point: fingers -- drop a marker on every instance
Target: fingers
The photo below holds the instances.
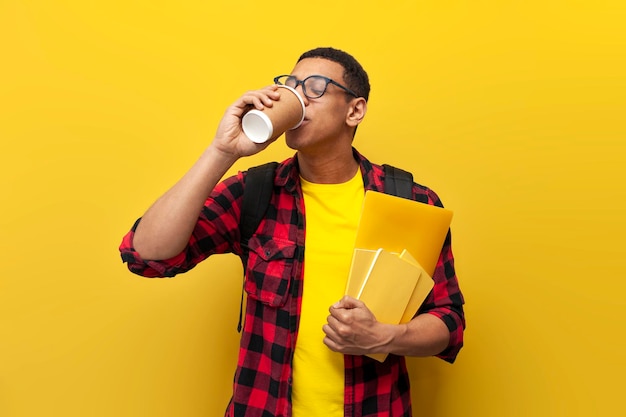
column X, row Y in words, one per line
column 258, row 99
column 350, row 327
column 332, row 345
column 343, row 338
column 337, row 327
column 340, row 327
column 345, row 313
column 347, row 302
column 333, row 339
column 229, row 137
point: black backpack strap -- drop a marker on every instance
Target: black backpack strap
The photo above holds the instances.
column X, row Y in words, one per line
column 398, row 182
column 257, row 192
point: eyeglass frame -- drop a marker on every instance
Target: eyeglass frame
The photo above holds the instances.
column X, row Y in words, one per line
column 328, row 81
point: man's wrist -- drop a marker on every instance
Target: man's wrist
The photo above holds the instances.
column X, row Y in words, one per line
column 391, row 334
column 219, row 157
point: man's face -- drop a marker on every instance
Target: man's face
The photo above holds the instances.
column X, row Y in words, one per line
column 325, row 121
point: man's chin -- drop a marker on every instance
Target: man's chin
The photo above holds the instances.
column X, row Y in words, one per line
column 292, row 139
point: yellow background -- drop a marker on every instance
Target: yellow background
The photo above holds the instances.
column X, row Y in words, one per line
column 512, row 111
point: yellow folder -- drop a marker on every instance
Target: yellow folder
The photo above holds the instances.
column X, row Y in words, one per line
column 395, row 223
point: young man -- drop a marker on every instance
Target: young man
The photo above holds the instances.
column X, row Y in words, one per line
column 303, row 344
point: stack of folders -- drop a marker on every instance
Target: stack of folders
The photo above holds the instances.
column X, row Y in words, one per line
column 396, row 251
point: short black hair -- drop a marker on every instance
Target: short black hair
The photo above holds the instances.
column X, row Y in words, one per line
column 353, row 73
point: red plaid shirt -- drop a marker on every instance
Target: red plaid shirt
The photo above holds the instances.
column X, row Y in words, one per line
column 274, row 260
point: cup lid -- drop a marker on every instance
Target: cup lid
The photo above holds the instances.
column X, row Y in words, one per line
column 257, row 126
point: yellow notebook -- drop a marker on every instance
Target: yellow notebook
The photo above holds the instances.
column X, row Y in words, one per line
column 424, row 285
column 362, row 260
column 395, row 224
column 387, row 288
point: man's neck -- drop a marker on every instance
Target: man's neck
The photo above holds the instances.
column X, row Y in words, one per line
column 335, row 168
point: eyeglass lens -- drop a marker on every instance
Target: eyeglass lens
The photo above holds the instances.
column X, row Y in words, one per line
column 313, row 86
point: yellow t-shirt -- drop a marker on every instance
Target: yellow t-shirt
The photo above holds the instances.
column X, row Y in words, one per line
column 332, row 216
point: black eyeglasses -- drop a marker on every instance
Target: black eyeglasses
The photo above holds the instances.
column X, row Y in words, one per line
column 313, row 86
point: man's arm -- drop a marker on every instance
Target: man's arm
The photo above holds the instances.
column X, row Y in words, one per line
column 165, row 228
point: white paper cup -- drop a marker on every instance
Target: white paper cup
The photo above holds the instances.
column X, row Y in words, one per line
column 286, row 113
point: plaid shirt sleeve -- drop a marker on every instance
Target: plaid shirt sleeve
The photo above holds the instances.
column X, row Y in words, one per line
column 217, row 231
column 445, row 300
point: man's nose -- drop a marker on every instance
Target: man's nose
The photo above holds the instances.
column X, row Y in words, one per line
column 300, row 90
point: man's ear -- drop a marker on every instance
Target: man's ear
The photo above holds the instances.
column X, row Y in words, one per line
column 357, row 111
